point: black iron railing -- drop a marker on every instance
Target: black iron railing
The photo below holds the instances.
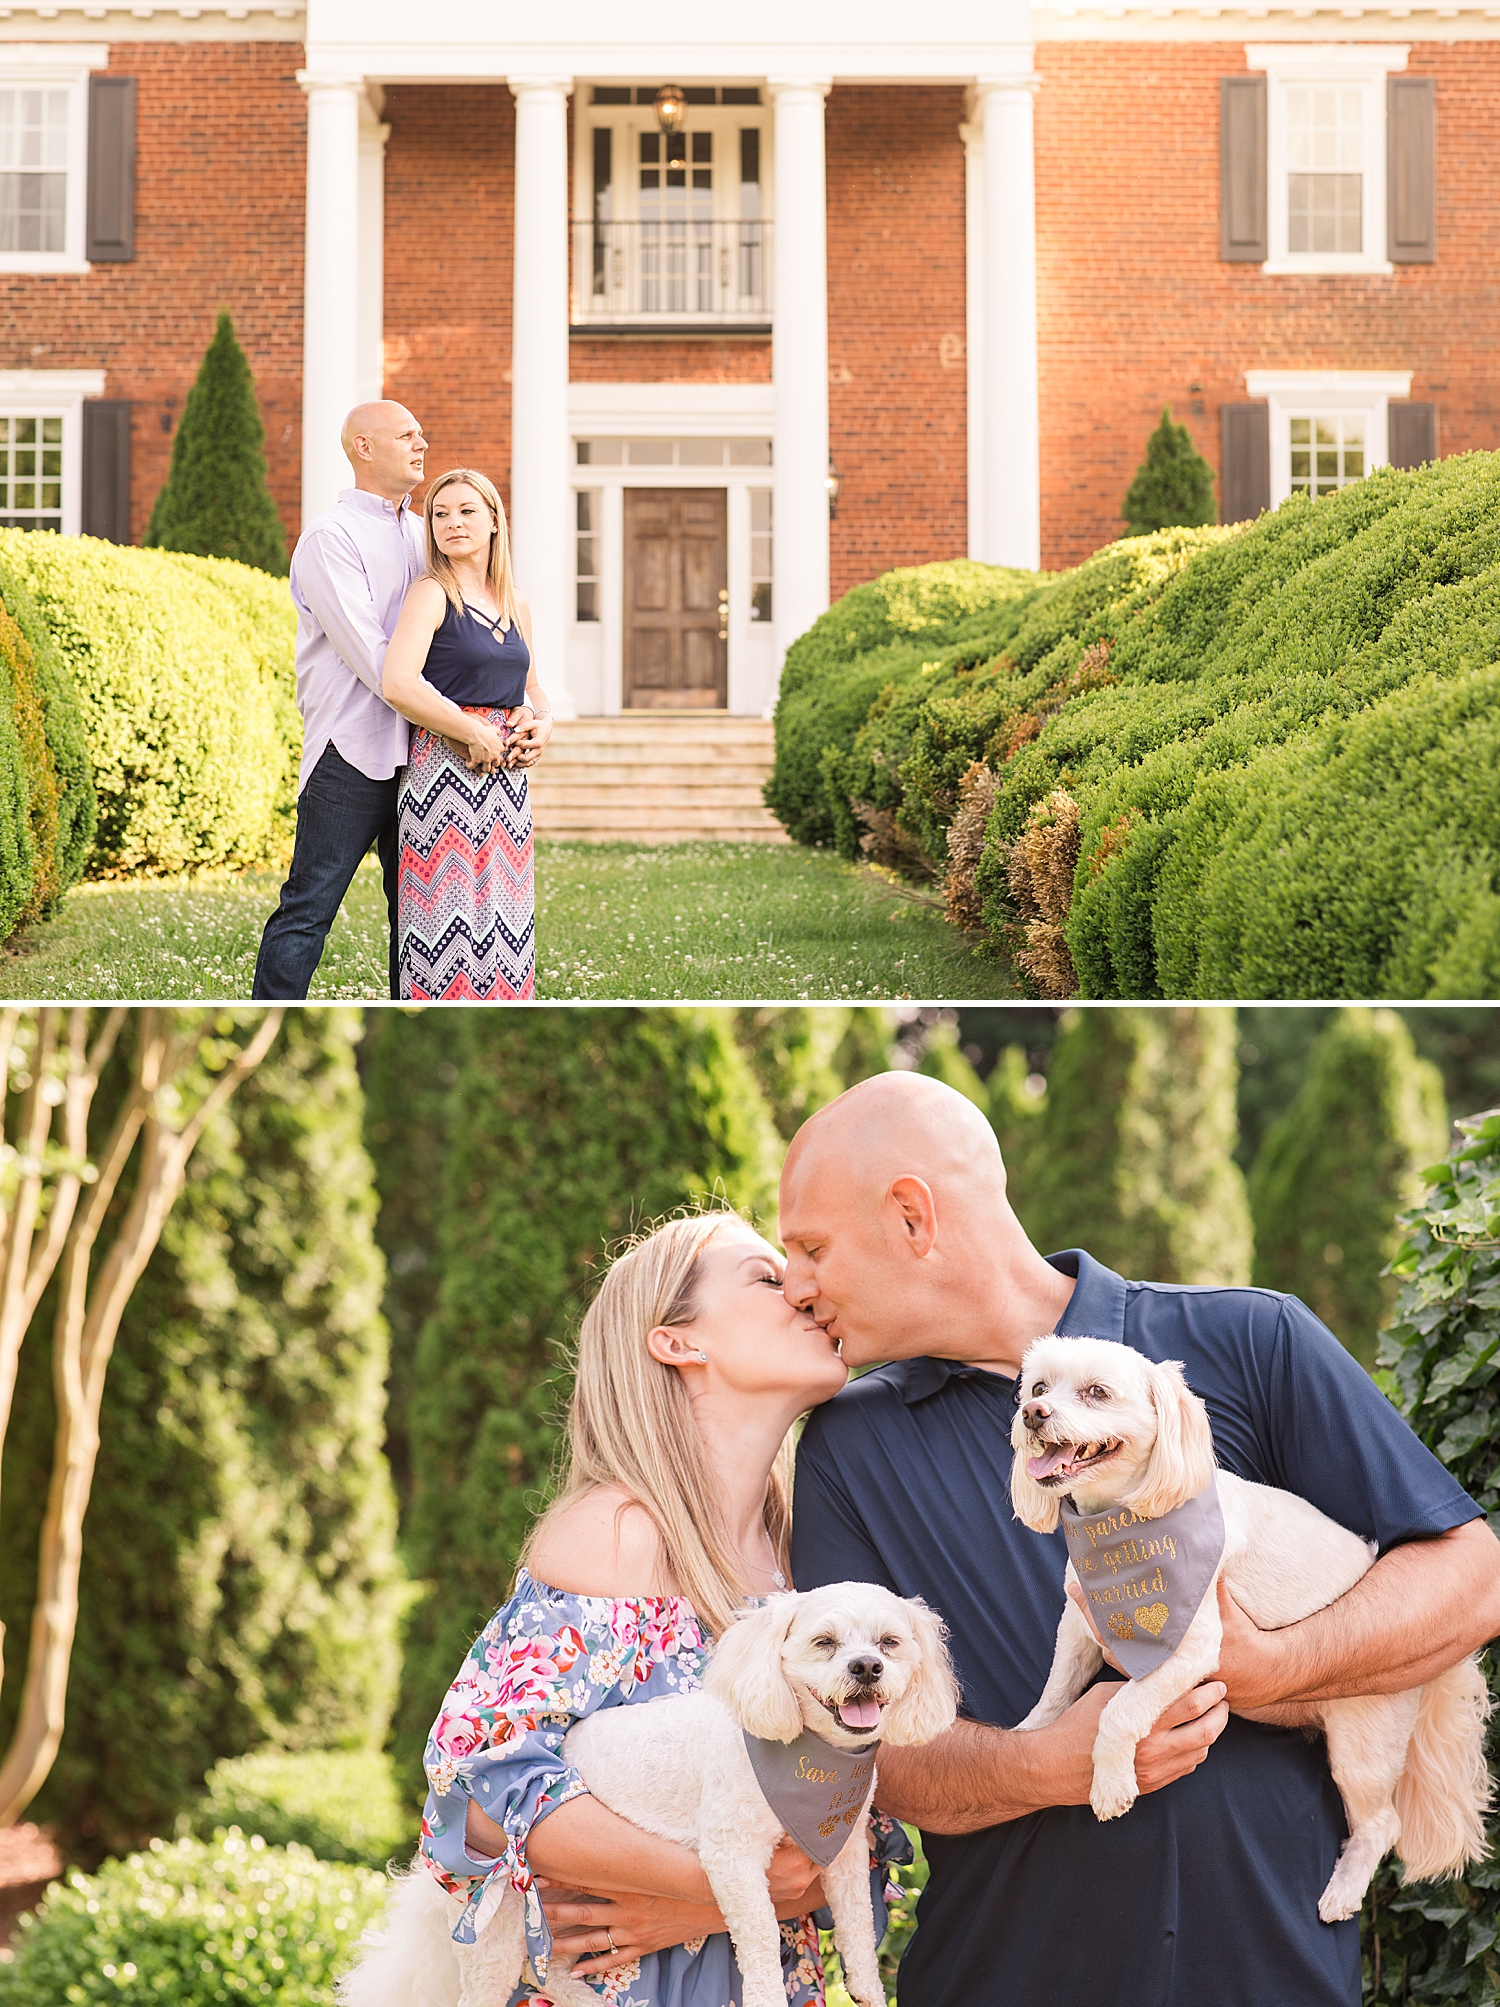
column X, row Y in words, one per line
column 681, row 269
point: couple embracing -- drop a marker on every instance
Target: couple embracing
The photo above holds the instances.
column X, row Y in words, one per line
column 421, row 712
column 702, row 1349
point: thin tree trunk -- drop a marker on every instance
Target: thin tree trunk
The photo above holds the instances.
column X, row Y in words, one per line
column 87, row 1321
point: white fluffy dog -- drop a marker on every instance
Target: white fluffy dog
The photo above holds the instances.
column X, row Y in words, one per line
column 851, row 1663
column 1104, row 1425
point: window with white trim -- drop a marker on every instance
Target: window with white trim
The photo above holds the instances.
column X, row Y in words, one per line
column 44, row 155
column 31, row 470
column 760, row 553
column 1328, row 427
column 1326, row 154
column 586, row 555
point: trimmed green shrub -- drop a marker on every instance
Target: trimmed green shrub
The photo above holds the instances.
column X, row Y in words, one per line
column 1173, row 484
column 190, row 1924
column 1131, row 1153
column 239, row 1577
column 1337, row 1167
column 1438, row 1941
column 47, row 803
column 186, row 691
column 565, row 1130
column 216, row 502
column 342, row 1804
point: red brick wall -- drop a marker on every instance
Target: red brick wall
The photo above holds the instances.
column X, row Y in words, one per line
column 449, row 213
column 220, row 195
column 896, row 327
column 1136, row 308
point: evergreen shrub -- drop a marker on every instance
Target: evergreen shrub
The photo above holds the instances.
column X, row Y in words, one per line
column 239, row 1588
column 189, row 1924
column 1438, row 1362
column 342, row 1804
column 186, row 692
column 47, row 803
column 1333, row 1172
column 1173, row 484
column 216, row 502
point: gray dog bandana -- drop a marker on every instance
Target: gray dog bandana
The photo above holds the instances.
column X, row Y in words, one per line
column 818, row 1792
column 1144, row 1579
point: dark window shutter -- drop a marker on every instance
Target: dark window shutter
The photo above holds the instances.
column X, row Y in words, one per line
column 1413, row 433
column 111, row 226
column 106, row 469
column 1411, row 170
column 1244, row 461
column 1242, row 170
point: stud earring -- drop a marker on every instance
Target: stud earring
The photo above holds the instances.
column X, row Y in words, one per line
column 702, row 1358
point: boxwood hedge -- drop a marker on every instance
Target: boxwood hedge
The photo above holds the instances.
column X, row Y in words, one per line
column 185, row 684
column 1274, row 735
column 341, row 1803
column 47, row 804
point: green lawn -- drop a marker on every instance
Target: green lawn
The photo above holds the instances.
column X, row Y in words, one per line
column 730, row 920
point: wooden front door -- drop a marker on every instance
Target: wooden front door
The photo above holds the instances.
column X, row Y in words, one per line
column 676, row 599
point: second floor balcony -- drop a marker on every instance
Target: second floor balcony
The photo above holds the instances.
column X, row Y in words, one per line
column 681, row 272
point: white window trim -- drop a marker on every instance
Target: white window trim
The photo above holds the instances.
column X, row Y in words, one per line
column 1303, row 393
column 23, row 63
column 1365, row 64
column 56, row 393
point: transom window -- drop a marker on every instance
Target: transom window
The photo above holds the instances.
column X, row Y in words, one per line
column 33, row 168
column 31, row 472
column 1328, row 452
column 1325, row 167
column 674, row 453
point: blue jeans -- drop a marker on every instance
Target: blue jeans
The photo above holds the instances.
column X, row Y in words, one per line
column 340, row 814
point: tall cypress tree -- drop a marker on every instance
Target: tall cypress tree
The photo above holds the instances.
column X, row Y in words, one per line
column 1173, row 485
column 802, row 1056
column 1132, row 1154
column 216, row 502
column 565, row 1130
column 1337, row 1167
column 239, row 1585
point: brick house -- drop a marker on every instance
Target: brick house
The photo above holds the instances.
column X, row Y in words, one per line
column 758, row 302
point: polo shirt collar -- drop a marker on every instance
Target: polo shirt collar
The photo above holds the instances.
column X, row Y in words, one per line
column 1096, row 1309
column 373, row 505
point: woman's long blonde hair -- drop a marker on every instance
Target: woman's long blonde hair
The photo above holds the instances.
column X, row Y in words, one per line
column 630, row 1423
column 498, row 573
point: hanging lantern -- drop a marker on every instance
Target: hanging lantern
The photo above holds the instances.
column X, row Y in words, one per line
column 671, row 107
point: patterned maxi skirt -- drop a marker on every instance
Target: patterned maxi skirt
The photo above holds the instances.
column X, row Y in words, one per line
column 467, row 902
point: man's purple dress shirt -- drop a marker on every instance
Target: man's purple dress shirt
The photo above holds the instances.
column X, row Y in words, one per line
column 350, row 572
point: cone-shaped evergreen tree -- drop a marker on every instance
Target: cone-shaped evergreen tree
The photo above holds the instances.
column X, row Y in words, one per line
column 1132, row 1154
column 565, row 1130
column 216, row 502
column 943, row 1059
column 1337, row 1167
column 1173, row 485
column 240, row 1587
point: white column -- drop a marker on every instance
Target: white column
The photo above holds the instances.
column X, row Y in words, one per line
column 539, row 479
column 973, row 139
column 330, row 312
column 372, row 138
column 1012, row 452
column 799, row 359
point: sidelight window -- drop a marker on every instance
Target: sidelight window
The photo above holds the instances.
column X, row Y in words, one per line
column 586, row 555
column 760, row 553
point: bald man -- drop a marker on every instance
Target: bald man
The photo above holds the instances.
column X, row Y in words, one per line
column 350, row 572
column 901, row 1239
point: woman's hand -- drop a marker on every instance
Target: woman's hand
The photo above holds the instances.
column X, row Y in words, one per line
column 487, row 747
column 530, row 731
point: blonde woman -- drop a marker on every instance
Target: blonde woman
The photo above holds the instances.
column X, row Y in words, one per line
column 460, row 667
column 692, row 1368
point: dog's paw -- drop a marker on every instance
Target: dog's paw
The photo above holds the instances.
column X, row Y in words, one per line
column 1111, row 1797
column 1336, row 1904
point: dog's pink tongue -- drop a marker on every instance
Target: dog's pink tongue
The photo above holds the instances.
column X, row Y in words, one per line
column 859, row 1713
column 1043, row 1466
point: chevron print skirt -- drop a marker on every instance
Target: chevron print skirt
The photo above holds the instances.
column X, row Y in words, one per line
column 467, row 898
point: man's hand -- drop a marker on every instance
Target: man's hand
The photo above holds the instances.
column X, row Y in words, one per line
column 974, row 1776
column 530, row 731
column 582, row 1924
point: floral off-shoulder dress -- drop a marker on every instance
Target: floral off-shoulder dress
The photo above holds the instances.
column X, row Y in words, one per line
column 542, row 1662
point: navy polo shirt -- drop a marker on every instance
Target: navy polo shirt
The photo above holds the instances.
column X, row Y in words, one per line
column 1207, row 1890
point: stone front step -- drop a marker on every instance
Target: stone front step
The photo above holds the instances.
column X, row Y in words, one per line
column 656, row 777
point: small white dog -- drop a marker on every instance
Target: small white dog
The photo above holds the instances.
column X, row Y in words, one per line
column 1124, row 1437
column 851, row 1664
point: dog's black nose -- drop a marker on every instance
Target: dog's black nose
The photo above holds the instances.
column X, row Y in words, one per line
column 1035, row 1411
column 866, row 1671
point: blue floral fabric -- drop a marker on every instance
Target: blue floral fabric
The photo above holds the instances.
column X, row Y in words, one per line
column 543, row 1662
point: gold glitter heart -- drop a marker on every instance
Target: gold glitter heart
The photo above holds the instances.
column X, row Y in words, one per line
column 1153, row 1618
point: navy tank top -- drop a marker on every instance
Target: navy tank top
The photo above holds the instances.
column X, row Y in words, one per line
column 472, row 661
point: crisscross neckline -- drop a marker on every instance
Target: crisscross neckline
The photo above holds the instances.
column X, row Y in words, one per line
column 497, row 624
